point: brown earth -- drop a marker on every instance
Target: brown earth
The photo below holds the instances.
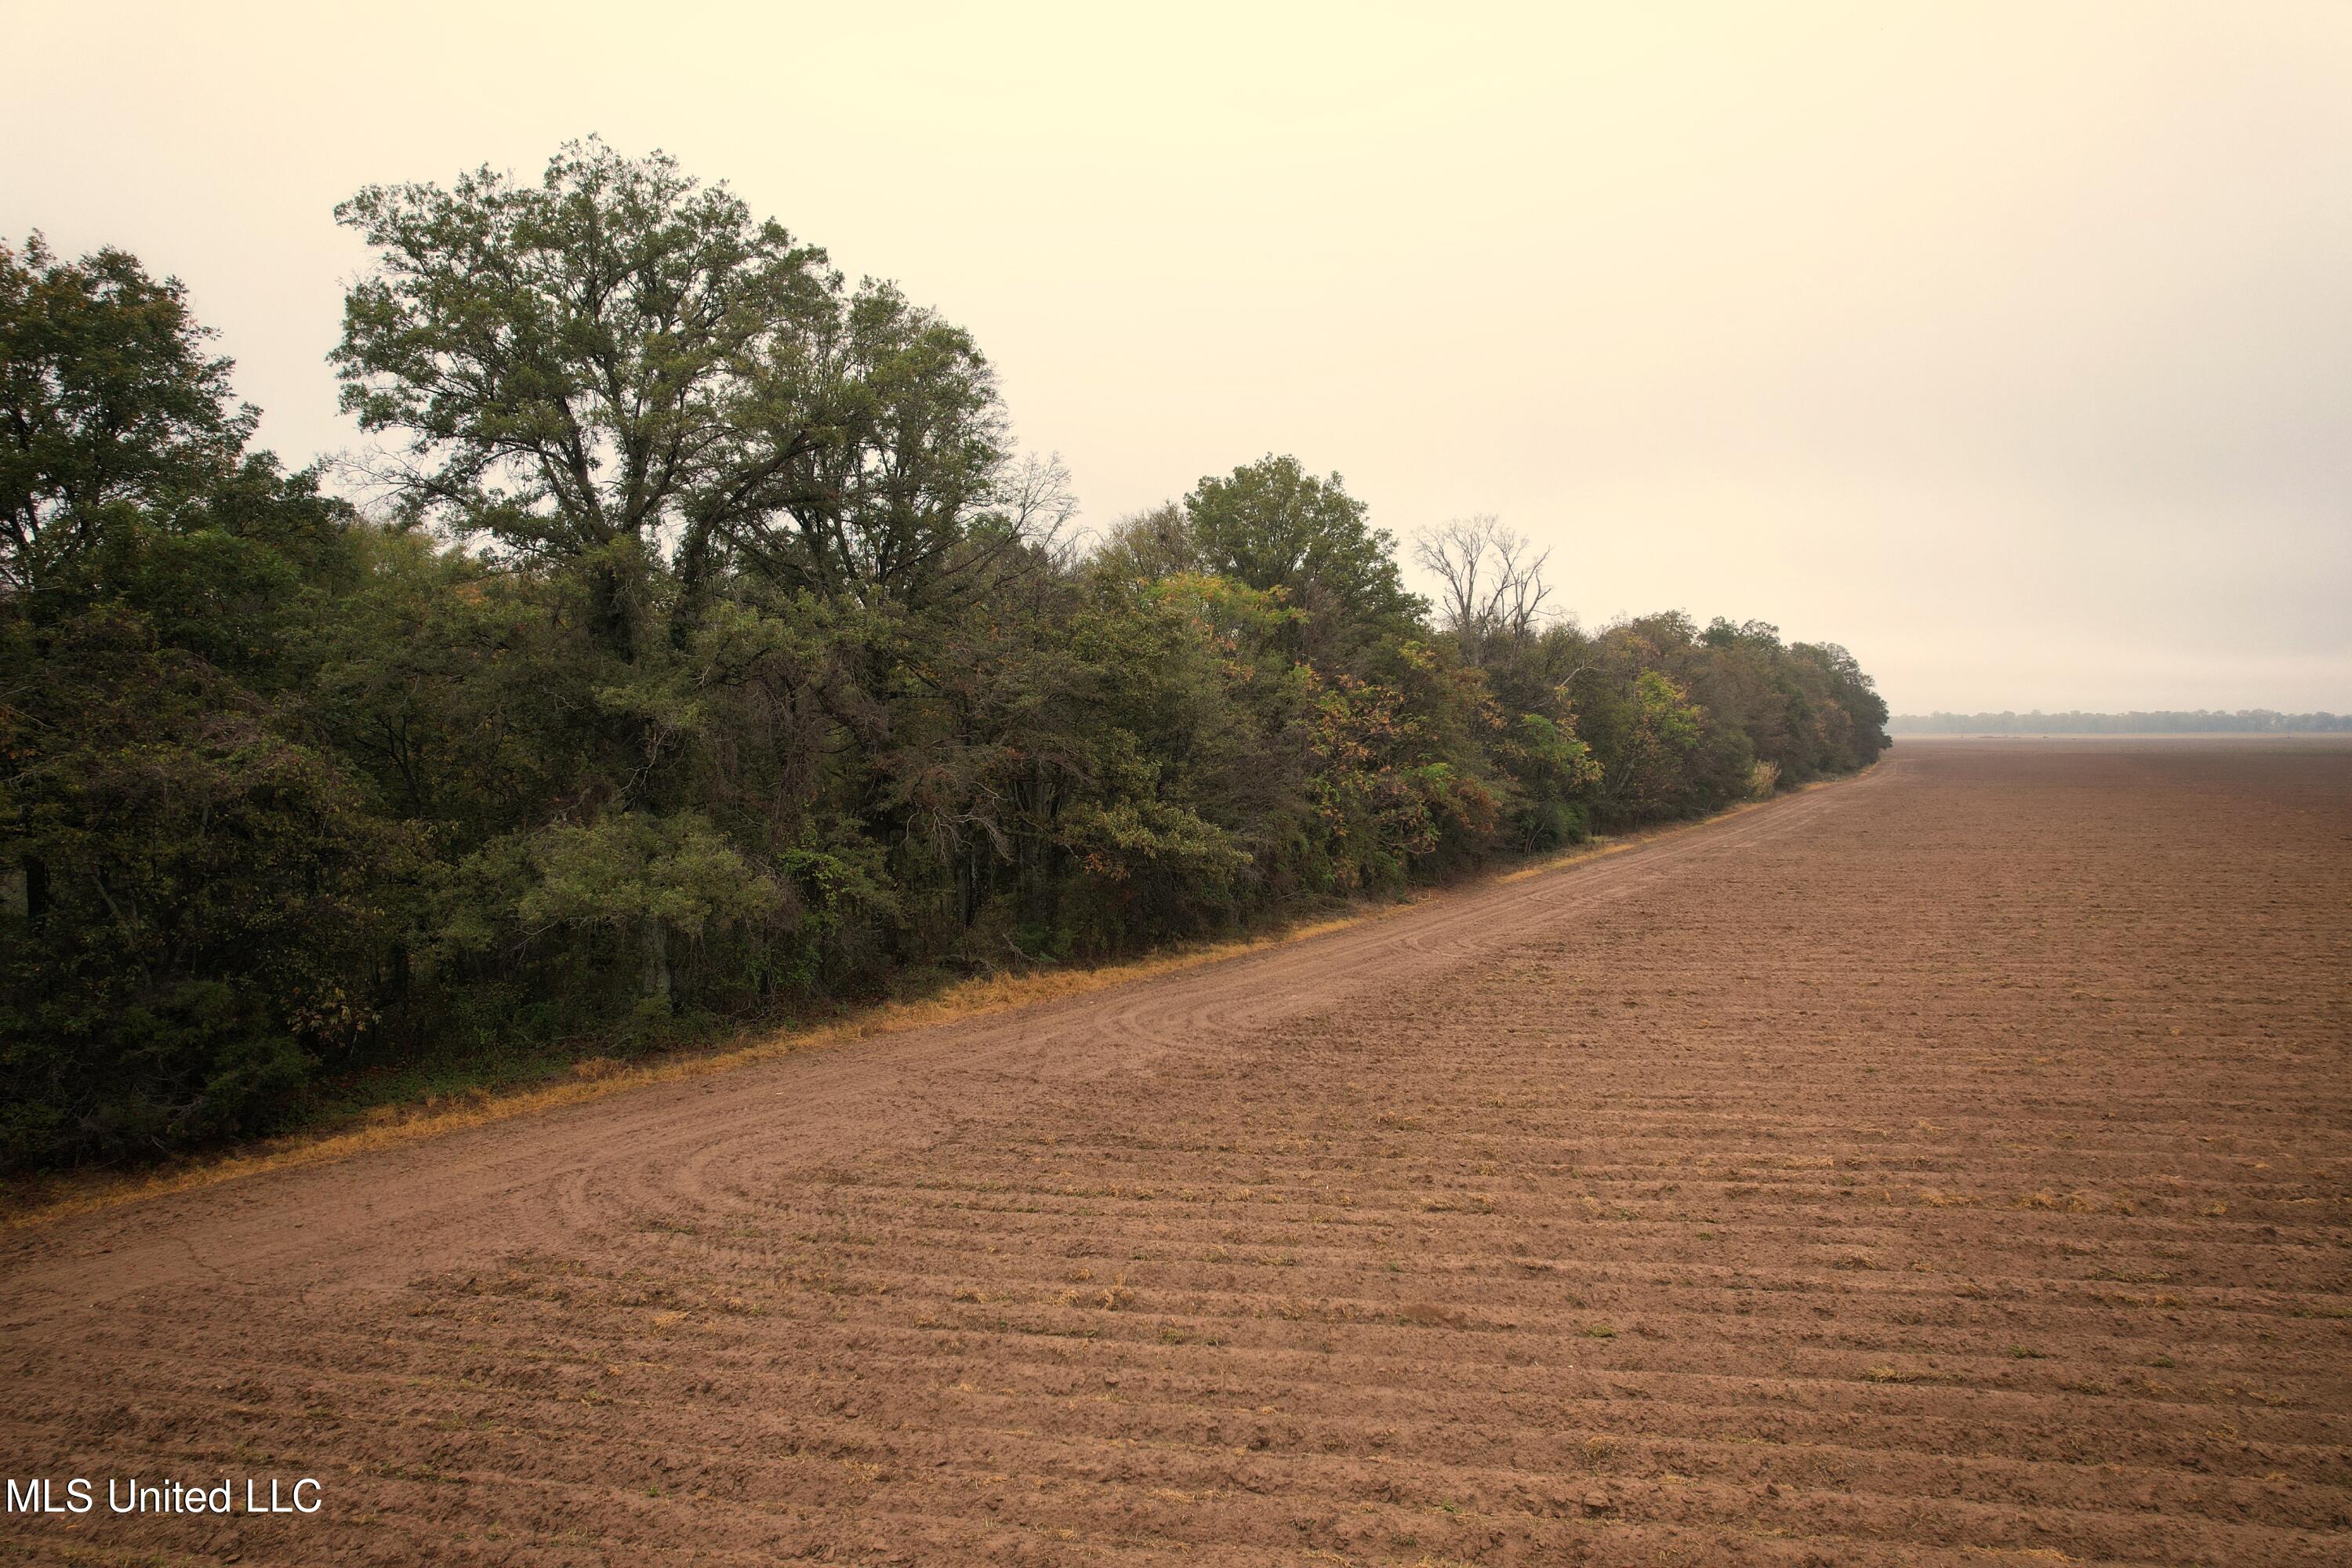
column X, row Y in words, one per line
column 1954, row 1166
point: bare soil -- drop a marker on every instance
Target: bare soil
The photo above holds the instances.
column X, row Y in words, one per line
column 1950, row 1166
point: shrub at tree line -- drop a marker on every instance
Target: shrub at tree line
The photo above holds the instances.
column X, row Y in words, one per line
column 714, row 653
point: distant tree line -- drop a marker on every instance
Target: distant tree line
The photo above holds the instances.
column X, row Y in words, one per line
column 714, row 654
column 2244, row 721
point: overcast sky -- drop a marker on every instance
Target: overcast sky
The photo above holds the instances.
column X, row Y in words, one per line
column 2009, row 344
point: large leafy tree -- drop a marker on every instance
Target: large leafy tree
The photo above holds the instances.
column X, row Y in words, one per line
column 110, row 402
column 616, row 375
column 619, row 365
column 1272, row 525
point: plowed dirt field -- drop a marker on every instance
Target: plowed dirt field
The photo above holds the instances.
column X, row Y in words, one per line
column 1952, row 1165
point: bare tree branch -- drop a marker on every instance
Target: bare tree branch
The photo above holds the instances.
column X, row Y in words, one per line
column 1490, row 581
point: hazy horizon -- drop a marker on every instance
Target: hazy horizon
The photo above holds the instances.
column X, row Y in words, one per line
column 2010, row 346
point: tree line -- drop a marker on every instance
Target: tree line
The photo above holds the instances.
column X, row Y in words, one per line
column 706, row 651
column 2244, row 721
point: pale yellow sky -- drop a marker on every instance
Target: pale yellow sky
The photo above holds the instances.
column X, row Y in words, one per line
column 2008, row 343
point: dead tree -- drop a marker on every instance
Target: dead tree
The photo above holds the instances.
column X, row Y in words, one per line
column 1490, row 581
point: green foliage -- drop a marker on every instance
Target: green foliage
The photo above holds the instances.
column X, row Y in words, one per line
column 717, row 656
column 1553, row 773
column 110, row 411
column 200, row 900
column 1272, row 525
column 625, row 871
column 618, row 356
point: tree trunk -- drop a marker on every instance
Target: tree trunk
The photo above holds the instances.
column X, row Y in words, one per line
column 655, row 956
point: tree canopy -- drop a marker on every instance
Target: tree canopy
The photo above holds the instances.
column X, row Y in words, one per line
column 1272, row 525
column 108, row 404
column 712, row 654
